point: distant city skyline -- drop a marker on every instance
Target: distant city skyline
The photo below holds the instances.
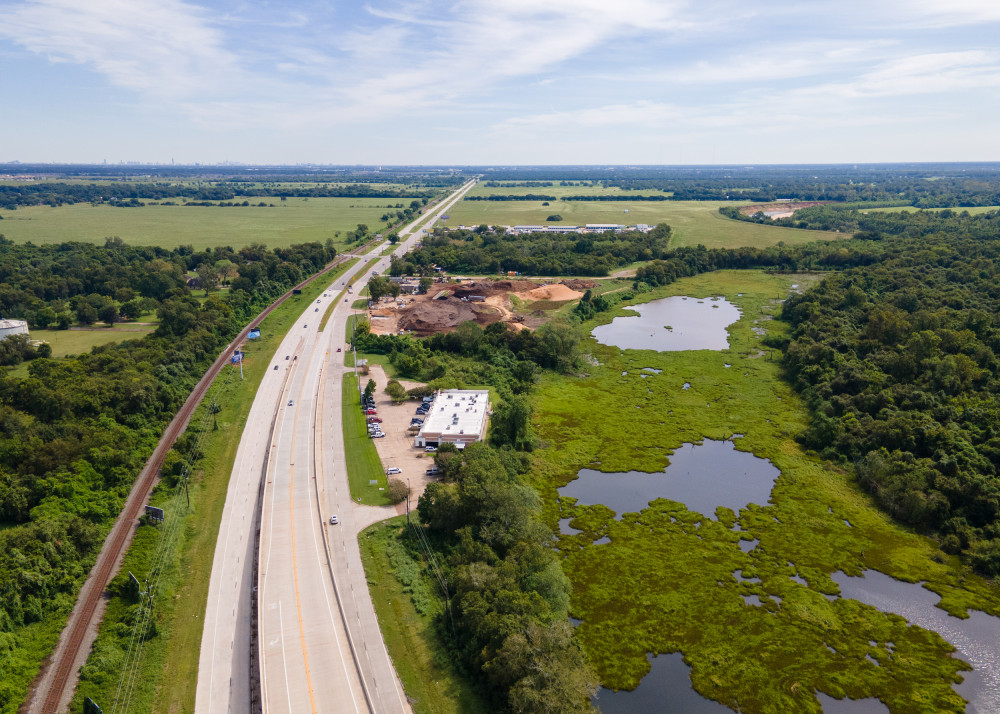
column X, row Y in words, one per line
column 665, row 82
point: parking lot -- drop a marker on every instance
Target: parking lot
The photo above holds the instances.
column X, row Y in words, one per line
column 396, row 449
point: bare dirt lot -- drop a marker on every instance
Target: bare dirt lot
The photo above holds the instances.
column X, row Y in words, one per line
column 521, row 303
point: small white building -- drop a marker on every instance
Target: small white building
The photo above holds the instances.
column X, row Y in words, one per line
column 12, row 327
column 458, row 416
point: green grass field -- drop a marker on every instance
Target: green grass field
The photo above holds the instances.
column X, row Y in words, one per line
column 665, row 579
column 168, row 672
column 693, row 222
column 363, row 462
column 75, row 342
column 297, row 220
column 481, row 189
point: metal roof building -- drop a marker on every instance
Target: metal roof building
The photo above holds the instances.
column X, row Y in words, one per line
column 12, row 327
column 458, row 416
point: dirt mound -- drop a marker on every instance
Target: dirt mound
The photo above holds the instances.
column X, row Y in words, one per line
column 425, row 318
column 557, row 292
column 578, row 284
column 487, row 288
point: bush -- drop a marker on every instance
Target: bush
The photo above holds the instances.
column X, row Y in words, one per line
column 397, row 491
column 554, row 217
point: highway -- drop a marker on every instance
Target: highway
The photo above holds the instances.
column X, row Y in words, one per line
column 320, row 648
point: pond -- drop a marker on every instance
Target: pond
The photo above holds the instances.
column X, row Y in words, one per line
column 977, row 639
column 672, row 324
column 701, row 476
column 667, row 688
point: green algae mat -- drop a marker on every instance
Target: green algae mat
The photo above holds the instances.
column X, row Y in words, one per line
column 665, row 579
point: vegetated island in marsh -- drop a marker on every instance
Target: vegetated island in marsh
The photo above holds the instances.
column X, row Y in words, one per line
column 668, row 579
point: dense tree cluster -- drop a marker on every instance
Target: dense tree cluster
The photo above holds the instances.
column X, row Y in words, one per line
column 482, row 251
column 508, row 593
column 899, row 364
column 55, row 286
column 75, row 432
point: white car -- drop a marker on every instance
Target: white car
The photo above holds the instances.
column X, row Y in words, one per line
column 333, row 520
column 393, row 470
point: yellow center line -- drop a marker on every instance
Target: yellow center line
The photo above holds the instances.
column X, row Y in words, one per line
column 295, row 566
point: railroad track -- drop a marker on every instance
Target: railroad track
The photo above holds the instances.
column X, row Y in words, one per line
column 58, row 677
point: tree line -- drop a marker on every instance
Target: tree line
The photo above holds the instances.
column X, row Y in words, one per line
column 58, row 193
column 486, row 251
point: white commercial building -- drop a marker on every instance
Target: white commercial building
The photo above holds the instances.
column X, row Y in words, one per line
column 12, row 327
column 457, row 416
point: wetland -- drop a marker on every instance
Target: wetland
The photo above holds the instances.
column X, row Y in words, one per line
column 737, row 601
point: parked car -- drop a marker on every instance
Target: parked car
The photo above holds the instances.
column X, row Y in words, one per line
column 393, row 470
column 334, row 521
column 372, row 420
column 370, row 411
column 415, row 420
column 430, row 449
column 428, row 400
column 432, row 471
column 378, row 436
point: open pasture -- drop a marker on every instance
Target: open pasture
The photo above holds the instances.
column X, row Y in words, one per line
column 295, row 220
column 693, row 222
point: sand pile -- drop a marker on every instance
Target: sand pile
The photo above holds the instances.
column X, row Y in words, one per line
column 557, row 292
column 425, row 318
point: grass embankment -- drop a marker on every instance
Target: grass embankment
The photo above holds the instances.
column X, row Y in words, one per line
column 363, row 463
column 167, row 673
column 296, row 220
column 408, row 609
column 665, row 581
column 693, row 222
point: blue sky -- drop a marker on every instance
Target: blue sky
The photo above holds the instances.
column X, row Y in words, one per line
column 500, row 81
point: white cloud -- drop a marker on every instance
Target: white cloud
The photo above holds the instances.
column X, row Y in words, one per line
column 166, row 47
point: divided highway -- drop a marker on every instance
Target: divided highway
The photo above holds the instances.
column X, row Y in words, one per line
column 320, row 649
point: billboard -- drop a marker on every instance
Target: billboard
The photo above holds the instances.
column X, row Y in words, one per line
column 254, row 333
column 154, row 513
column 237, row 357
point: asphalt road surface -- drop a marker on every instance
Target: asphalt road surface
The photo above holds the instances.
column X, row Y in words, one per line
column 320, row 646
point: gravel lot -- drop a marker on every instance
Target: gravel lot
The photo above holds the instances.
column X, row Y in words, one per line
column 397, row 448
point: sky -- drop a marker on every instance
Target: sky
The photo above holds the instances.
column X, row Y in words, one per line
column 476, row 82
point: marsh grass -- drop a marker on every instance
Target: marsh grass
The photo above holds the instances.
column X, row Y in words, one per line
column 664, row 582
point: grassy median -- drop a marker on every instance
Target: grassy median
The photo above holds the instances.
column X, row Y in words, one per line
column 363, row 463
column 167, row 673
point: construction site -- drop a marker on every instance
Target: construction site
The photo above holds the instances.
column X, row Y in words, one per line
column 520, row 303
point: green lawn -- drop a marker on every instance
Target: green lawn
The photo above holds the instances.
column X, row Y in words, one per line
column 693, row 222
column 74, row 342
column 363, row 463
column 296, row 220
column 169, row 668
column 408, row 607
